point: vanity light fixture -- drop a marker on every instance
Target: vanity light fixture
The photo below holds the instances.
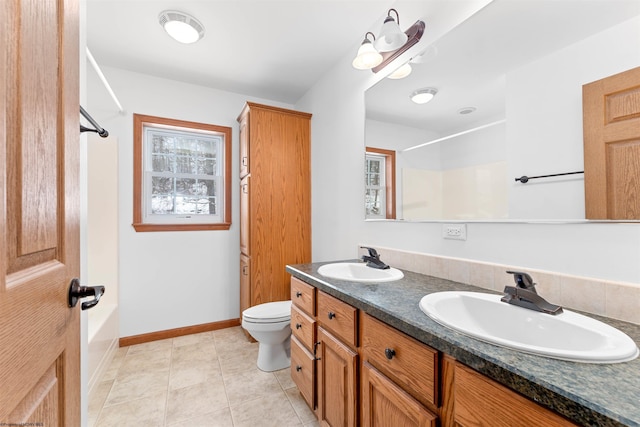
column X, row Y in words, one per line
column 401, row 72
column 367, row 57
column 424, row 95
column 382, row 53
column 391, row 36
column 181, row 27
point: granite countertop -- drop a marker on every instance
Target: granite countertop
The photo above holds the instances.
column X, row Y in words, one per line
column 589, row 394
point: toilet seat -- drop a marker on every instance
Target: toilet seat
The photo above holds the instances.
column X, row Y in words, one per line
column 270, row 312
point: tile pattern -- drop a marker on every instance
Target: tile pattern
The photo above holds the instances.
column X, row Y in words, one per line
column 207, row 379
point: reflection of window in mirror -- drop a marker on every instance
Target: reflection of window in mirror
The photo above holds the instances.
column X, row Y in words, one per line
column 380, row 187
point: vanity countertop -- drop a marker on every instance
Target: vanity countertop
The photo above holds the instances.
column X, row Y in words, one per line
column 589, row 394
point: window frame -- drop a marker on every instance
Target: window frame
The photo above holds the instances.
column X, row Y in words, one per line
column 390, row 179
column 140, row 121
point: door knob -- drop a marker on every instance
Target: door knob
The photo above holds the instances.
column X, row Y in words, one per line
column 76, row 292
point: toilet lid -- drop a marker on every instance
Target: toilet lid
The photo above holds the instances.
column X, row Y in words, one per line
column 269, row 312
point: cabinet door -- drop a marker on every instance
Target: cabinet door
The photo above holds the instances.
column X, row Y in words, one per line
column 245, row 283
column 245, row 219
column 386, row 404
column 482, row 401
column 244, row 145
column 337, row 370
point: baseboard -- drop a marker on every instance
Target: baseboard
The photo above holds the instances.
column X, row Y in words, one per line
column 178, row 332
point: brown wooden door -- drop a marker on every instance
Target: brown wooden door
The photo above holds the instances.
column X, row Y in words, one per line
column 39, row 212
column 611, row 109
column 337, row 386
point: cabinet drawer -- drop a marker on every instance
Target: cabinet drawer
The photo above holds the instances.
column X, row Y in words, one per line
column 303, row 371
column 482, row 401
column 303, row 327
column 339, row 317
column 403, row 359
column 303, row 296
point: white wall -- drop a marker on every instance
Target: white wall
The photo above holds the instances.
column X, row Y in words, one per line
column 544, row 120
column 464, row 177
column 170, row 279
column 174, row 279
column 598, row 250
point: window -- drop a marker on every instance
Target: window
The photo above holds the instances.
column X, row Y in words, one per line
column 182, row 175
column 379, row 174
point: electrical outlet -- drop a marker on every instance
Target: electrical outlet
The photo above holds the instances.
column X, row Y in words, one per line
column 454, row 231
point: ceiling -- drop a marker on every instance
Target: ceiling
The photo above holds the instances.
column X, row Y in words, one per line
column 468, row 64
column 274, row 50
column 278, row 50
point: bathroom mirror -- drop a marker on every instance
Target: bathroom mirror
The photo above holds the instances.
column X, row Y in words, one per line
column 508, row 104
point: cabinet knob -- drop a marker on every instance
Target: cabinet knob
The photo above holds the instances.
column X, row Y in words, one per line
column 298, row 294
column 331, row 315
column 298, row 325
column 389, row 352
column 298, row 368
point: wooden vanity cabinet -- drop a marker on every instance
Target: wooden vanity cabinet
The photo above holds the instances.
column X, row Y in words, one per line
column 275, row 199
column 338, row 360
column 337, row 381
column 303, row 340
column 399, row 377
column 355, row 370
column 385, row 403
column 479, row 400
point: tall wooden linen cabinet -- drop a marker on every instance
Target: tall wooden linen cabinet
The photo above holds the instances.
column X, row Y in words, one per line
column 275, row 200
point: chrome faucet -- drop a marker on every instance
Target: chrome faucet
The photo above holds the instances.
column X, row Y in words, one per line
column 524, row 295
column 373, row 259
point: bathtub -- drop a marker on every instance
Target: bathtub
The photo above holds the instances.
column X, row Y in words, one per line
column 102, row 337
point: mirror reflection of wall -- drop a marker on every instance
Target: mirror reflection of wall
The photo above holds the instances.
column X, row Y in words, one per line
column 514, row 61
column 464, row 179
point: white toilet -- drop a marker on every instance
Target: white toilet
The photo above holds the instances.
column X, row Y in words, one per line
column 270, row 325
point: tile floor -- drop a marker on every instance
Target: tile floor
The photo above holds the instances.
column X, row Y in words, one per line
column 199, row 380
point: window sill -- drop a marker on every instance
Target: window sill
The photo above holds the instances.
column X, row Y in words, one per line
column 142, row 227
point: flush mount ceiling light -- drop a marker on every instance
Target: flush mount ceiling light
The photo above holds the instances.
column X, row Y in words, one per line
column 181, row 27
column 367, row 57
column 391, row 36
column 466, row 110
column 424, row 95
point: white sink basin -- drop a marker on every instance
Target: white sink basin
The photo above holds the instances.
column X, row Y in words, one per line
column 359, row 272
column 566, row 336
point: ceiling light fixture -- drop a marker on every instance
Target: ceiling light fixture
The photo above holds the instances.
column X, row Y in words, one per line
column 424, row 95
column 393, row 44
column 181, row 27
column 467, row 110
column 391, row 36
column 367, row 57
